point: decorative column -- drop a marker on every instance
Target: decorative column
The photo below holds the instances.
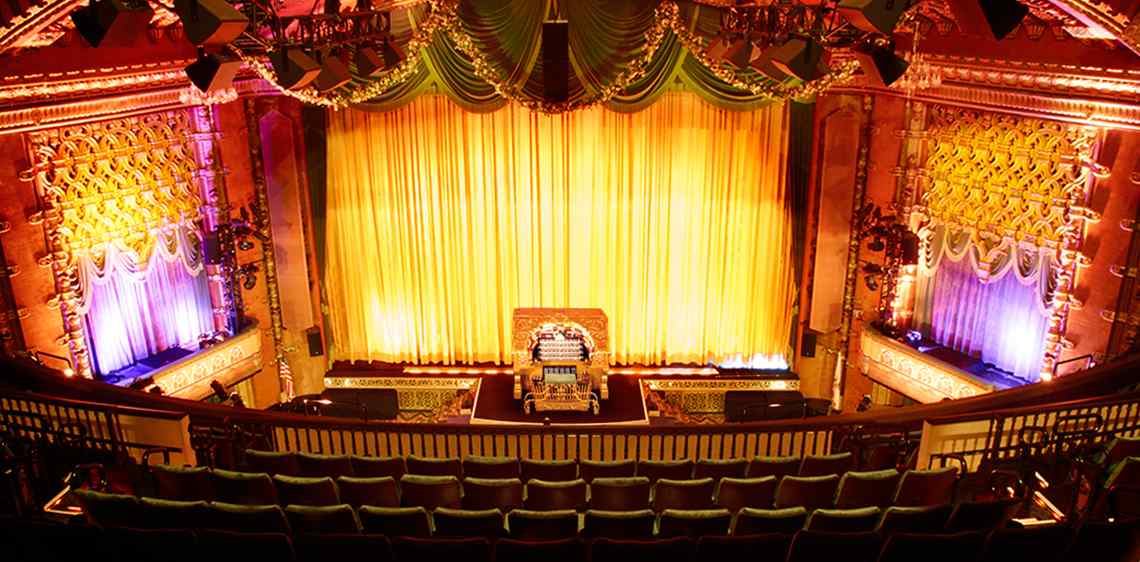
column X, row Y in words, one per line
column 268, row 259
column 898, row 293
column 853, row 245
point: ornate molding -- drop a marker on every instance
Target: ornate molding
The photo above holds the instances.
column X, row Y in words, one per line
column 917, row 376
column 37, row 17
column 402, row 382
column 228, row 362
column 720, row 385
column 1101, row 16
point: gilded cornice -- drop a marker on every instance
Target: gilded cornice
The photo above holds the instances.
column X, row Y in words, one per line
column 36, row 17
column 1102, row 16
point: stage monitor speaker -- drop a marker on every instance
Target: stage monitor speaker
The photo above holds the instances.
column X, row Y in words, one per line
column 992, row 19
column 316, row 343
column 112, row 23
column 294, row 68
column 213, row 72
column 212, row 248
column 210, row 23
column 881, row 65
column 799, row 58
column 873, row 16
column 809, row 342
column 555, row 61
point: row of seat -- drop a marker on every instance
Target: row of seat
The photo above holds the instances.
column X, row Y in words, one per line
column 306, row 464
column 116, row 510
column 42, row 542
column 882, row 489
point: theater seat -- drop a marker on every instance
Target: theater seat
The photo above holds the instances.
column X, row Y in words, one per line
column 182, row 483
column 490, row 467
column 299, row 490
column 926, row 487
column 565, row 550
column 318, row 520
column 1040, row 543
column 372, row 467
column 982, row 516
column 734, row 494
column 395, row 521
column 858, row 520
column 1118, row 541
column 811, row 492
column 717, row 469
column 677, row 549
column 819, row 546
column 773, row 547
column 953, row 547
column 683, row 494
column 272, row 463
column 332, row 466
column 543, row 525
column 779, row 467
column 553, row 496
column 928, row 519
column 248, row 518
column 549, row 471
column 379, row 491
column 619, row 524
column 822, row 465
column 29, row 540
column 503, row 494
column 468, row 522
column 435, row 467
column 589, row 470
column 229, row 546
column 430, row 491
column 409, row 549
column 243, row 488
column 335, row 547
column 173, row 514
column 620, row 494
column 149, row 545
column 750, row 521
column 693, row 523
column 111, row 510
column 672, row 470
column 866, row 489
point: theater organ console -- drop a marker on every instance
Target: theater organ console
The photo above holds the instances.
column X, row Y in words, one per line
column 558, row 363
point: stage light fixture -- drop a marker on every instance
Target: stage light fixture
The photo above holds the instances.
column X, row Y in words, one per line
column 881, row 64
column 739, row 52
column 112, row 23
column 763, row 64
column 294, row 68
column 211, row 72
column 370, row 63
column 992, row 19
column 800, row 58
column 908, row 248
column 210, row 23
column 873, row 16
column 334, row 74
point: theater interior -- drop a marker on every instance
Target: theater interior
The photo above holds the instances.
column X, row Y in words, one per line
column 570, row 280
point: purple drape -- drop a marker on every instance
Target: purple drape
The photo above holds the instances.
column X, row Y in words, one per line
column 1002, row 322
column 131, row 320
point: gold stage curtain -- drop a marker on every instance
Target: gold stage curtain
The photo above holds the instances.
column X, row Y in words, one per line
column 674, row 220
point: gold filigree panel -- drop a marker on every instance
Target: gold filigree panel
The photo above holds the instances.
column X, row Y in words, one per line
column 119, row 181
column 1001, row 177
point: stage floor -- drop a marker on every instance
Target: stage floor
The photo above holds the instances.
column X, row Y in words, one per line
column 494, row 404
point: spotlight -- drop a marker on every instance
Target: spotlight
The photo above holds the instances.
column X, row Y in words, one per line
column 249, row 282
column 112, row 23
column 334, row 74
column 763, row 64
column 294, row 68
column 876, row 245
column 992, row 19
column 212, row 72
column 881, row 64
column 873, row 16
column 369, row 62
column 909, row 248
column 735, row 51
column 871, row 282
column 210, row 22
column 800, row 58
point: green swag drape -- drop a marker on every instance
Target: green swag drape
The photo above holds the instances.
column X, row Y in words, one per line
column 605, row 37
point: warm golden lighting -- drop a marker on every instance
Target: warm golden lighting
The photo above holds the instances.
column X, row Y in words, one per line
column 672, row 220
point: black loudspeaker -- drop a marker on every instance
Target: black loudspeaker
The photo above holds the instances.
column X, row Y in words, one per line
column 370, row 62
column 213, row 72
column 809, row 341
column 210, row 23
column 113, row 23
column 212, row 248
column 555, row 61
column 881, row 65
column 992, row 19
column 334, row 74
column 316, row 344
column 752, row 405
column 799, row 58
column 873, row 16
column 294, row 68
